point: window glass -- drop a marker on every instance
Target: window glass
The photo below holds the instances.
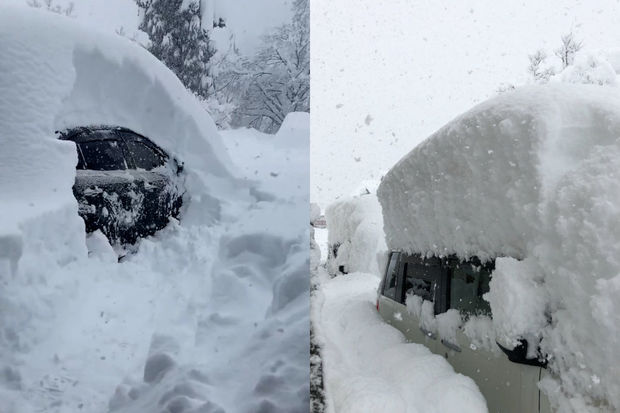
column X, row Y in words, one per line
column 143, row 156
column 468, row 283
column 419, row 280
column 103, row 155
column 391, row 277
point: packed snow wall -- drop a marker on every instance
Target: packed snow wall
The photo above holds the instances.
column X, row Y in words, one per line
column 530, row 176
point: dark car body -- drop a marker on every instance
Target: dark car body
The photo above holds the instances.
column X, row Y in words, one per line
column 125, row 185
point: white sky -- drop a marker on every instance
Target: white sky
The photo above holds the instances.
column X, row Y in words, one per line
column 249, row 19
column 413, row 65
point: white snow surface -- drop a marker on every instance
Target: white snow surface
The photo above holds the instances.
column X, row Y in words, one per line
column 369, row 367
column 356, row 225
column 531, row 175
column 211, row 313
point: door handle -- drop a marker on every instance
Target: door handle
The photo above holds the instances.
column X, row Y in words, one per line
column 451, row 346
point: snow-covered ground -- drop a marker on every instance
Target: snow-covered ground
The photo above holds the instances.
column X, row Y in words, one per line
column 211, row 313
column 367, row 364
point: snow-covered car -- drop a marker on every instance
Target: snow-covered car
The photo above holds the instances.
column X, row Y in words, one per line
column 355, row 235
column 126, row 186
column 504, row 233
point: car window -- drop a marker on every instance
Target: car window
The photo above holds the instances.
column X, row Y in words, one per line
column 104, row 155
column 144, row 156
column 391, row 277
column 468, row 283
column 421, row 276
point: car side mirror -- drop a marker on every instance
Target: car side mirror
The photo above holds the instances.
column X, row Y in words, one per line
column 519, row 355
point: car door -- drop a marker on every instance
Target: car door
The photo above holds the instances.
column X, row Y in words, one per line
column 154, row 184
column 507, row 386
column 391, row 301
column 102, row 182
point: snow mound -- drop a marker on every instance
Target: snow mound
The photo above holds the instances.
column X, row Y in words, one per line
column 531, row 175
column 355, row 227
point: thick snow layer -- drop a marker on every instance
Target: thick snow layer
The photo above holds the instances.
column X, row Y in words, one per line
column 530, row 175
column 210, row 314
column 355, row 225
column 369, row 367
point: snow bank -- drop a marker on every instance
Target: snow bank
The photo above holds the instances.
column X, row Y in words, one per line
column 369, row 367
column 354, row 225
column 210, row 311
column 530, row 175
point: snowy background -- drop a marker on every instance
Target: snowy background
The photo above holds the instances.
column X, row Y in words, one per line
column 386, row 76
column 211, row 313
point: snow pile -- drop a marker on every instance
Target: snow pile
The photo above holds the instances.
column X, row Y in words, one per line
column 355, row 228
column 530, row 175
column 589, row 68
column 368, row 365
column 210, row 311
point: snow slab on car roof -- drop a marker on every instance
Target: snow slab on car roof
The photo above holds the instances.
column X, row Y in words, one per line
column 480, row 185
column 532, row 177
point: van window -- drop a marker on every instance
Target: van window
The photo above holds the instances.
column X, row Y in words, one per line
column 421, row 276
column 468, row 283
column 391, row 277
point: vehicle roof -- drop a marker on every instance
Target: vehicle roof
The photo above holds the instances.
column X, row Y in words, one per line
column 86, row 133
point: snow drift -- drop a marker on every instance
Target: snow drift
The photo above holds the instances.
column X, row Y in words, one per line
column 210, row 311
column 531, row 175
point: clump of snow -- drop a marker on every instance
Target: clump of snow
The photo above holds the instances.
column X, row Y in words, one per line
column 531, row 175
column 211, row 311
column 589, row 68
column 355, row 226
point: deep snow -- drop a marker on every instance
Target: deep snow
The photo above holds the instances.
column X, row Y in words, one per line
column 367, row 364
column 211, row 313
column 529, row 177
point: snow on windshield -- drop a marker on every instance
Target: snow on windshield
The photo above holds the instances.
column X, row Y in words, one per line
column 210, row 313
column 530, row 176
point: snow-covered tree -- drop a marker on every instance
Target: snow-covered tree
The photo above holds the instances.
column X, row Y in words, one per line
column 279, row 75
column 50, row 6
column 230, row 82
column 179, row 39
column 569, row 48
column 537, row 69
